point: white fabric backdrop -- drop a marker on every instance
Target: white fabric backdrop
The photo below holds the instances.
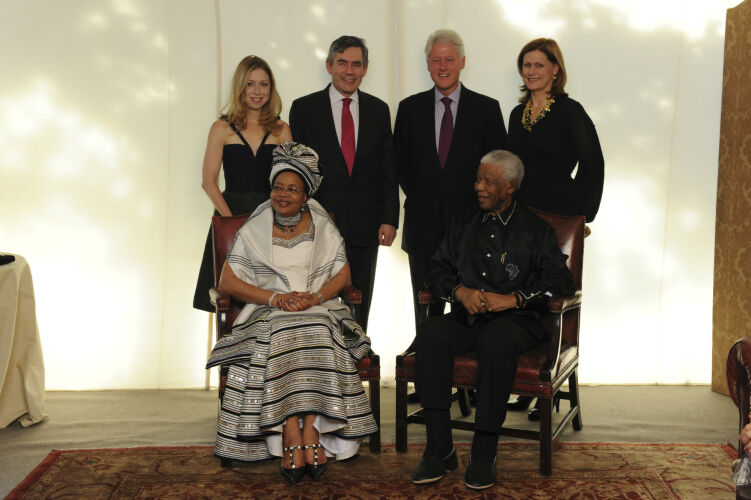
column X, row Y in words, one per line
column 105, row 108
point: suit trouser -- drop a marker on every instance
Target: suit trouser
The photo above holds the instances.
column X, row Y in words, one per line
column 497, row 342
column 362, row 265
column 417, row 267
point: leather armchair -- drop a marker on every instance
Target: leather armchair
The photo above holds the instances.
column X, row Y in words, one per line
column 738, row 372
column 540, row 372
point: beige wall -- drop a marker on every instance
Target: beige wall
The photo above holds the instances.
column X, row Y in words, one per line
column 105, row 108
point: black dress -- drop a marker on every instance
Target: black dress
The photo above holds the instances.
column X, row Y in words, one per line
column 550, row 151
column 246, row 183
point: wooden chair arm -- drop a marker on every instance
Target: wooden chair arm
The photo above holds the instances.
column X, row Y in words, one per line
column 351, row 295
column 222, row 303
column 555, row 305
column 218, row 299
column 559, row 305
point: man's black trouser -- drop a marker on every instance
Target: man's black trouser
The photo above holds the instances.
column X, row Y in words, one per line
column 497, row 343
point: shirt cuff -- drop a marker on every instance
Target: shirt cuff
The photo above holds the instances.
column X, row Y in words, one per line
column 452, row 295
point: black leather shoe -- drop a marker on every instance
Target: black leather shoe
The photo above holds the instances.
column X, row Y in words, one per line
column 534, row 415
column 480, row 475
column 294, row 473
column 521, row 403
column 315, row 469
column 432, row 469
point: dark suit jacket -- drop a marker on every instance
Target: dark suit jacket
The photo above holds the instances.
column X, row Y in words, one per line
column 370, row 197
column 435, row 195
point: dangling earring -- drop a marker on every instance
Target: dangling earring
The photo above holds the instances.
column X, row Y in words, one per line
column 555, row 77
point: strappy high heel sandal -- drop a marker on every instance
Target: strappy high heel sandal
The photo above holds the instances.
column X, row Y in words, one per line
column 294, row 473
column 315, row 469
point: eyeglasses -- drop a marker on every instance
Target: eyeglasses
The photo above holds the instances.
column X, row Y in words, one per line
column 289, row 190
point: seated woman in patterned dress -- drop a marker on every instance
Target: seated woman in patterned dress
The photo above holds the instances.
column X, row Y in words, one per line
column 293, row 388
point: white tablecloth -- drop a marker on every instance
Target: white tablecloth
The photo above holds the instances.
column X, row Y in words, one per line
column 21, row 361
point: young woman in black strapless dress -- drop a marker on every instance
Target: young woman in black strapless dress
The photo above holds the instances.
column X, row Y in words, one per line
column 242, row 140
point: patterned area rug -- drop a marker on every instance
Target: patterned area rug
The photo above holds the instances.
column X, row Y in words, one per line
column 591, row 471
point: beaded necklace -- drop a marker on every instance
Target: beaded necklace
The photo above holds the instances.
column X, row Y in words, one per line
column 287, row 224
column 527, row 120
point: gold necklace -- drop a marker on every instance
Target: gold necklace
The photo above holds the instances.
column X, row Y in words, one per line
column 527, row 120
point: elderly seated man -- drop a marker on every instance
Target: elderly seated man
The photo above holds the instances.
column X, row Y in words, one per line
column 496, row 266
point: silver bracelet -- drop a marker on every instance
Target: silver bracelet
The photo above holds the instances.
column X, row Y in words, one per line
column 271, row 299
column 320, row 297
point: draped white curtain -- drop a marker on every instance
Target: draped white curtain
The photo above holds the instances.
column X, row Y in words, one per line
column 105, row 107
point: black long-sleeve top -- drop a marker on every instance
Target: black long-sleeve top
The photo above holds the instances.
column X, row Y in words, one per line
column 514, row 251
column 550, row 152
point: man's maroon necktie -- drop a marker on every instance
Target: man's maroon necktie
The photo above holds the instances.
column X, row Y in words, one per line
column 348, row 135
column 447, row 131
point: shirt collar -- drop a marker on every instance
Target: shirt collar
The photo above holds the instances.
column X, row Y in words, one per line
column 336, row 96
column 453, row 95
column 504, row 216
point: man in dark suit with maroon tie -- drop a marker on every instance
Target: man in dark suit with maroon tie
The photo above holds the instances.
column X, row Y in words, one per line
column 440, row 135
column 351, row 132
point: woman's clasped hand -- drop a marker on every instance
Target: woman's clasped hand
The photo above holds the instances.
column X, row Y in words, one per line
column 295, row 301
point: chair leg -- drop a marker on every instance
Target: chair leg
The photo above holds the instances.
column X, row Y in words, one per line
column 573, row 389
column 546, row 436
column 464, row 404
column 401, row 415
column 374, row 389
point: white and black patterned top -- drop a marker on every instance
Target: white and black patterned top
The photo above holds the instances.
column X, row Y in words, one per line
column 251, row 255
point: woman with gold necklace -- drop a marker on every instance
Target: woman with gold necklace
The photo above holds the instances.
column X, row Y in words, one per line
column 554, row 137
column 563, row 165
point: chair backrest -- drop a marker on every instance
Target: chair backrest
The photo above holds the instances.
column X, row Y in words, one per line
column 569, row 231
column 738, row 372
column 223, row 231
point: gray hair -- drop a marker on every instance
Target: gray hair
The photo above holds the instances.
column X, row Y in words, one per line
column 445, row 36
column 343, row 43
column 513, row 168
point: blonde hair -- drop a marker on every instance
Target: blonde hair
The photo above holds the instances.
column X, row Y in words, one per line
column 235, row 109
column 552, row 51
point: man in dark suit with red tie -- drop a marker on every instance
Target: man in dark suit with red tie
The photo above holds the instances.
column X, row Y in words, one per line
column 440, row 135
column 351, row 132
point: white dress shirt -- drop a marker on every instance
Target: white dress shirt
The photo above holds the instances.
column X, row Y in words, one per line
column 336, row 109
column 440, row 108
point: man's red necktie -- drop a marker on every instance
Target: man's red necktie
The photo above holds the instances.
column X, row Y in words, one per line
column 348, row 135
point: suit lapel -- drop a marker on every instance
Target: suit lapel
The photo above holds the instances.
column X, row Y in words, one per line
column 427, row 109
column 462, row 124
column 463, row 116
column 365, row 129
